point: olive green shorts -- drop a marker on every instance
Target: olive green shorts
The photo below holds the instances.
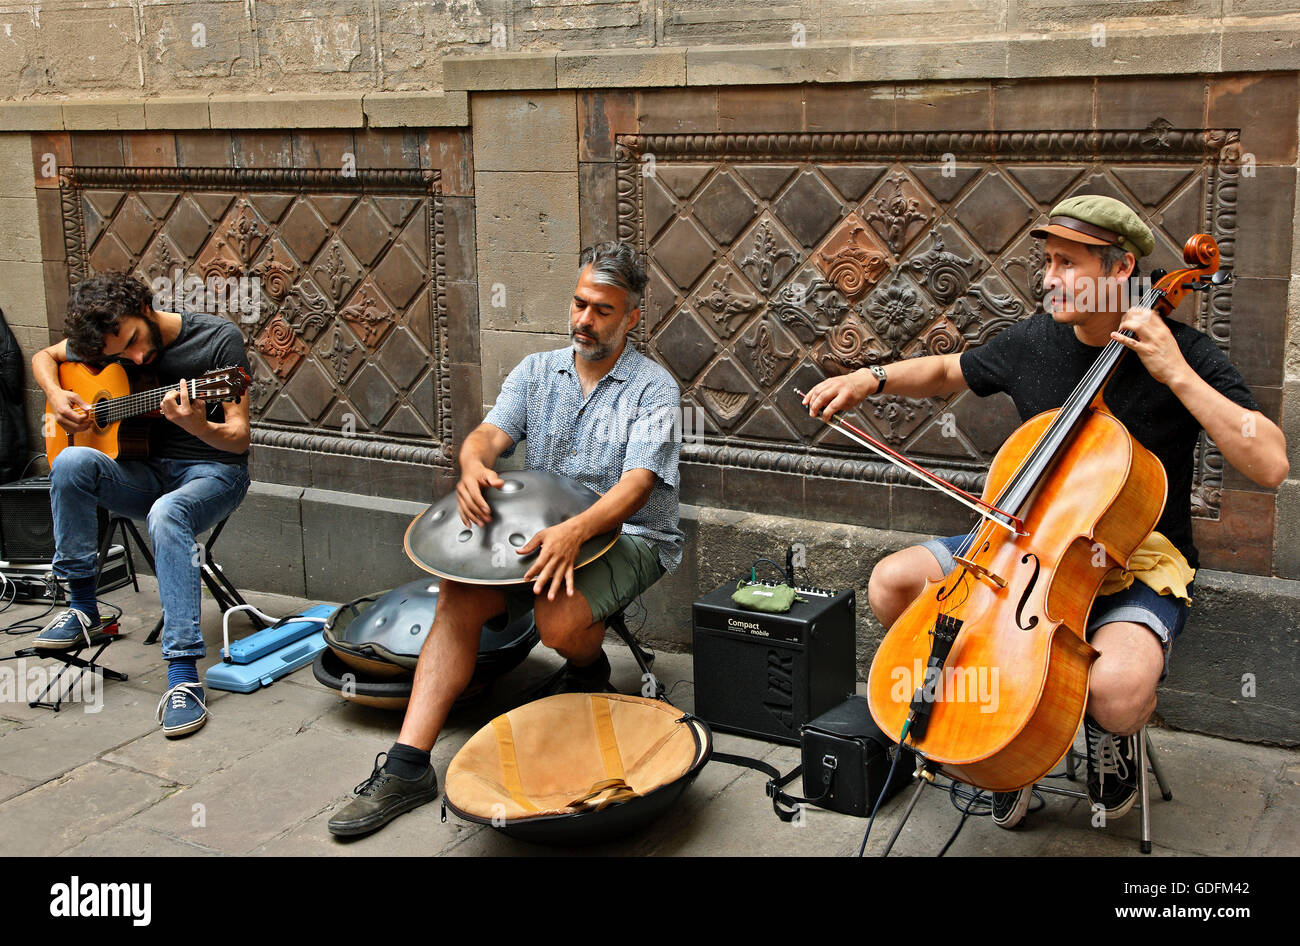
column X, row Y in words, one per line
column 609, row 584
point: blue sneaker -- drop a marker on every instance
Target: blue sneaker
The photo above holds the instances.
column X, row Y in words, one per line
column 181, row 710
column 71, row 628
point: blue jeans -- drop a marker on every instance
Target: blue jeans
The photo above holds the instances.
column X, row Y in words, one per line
column 178, row 498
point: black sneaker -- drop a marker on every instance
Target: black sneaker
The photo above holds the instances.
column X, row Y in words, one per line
column 381, row 798
column 593, row 678
column 1112, row 769
column 1009, row 808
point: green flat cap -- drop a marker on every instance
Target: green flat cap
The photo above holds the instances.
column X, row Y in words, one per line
column 1099, row 221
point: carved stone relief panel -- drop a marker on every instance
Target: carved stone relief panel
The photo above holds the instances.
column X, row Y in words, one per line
column 336, row 282
column 777, row 260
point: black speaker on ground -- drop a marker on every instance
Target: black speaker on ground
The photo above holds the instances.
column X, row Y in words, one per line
column 27, row 524
column 765, row 675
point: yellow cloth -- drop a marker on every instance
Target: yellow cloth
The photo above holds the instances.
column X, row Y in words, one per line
column 1158, row 565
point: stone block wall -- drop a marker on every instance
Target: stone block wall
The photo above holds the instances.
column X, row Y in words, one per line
column 538, row 146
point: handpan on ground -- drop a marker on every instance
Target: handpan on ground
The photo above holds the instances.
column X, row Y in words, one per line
column 527, row 502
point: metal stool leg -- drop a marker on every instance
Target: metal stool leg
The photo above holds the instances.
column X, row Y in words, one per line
column 1142, row 791
column 1165, row 792
column 644, row 659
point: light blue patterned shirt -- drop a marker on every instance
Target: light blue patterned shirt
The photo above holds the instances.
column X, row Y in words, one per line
column 629, row 421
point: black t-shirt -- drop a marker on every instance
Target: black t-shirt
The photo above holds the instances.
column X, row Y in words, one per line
column 205, row 343
column 1039, row 361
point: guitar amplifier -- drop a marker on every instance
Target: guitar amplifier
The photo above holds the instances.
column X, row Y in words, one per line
column 765, row 675
column 27, row 523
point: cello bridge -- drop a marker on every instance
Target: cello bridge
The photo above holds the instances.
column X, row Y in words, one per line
column 981, row 573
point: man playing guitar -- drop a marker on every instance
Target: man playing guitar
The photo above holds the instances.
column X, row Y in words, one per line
column 1174, row 383
column 195, row 476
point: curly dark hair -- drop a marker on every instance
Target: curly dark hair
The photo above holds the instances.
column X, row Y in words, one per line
column 96, row 308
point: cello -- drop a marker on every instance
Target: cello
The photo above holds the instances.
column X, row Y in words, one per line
column 1069, row 496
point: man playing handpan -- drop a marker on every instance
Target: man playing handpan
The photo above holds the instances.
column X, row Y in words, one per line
column 1175, row 383
column 566, row 399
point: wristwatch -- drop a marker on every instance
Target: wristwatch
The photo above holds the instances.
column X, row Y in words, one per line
column 879, row 372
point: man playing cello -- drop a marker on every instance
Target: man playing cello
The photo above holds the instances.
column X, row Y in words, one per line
column 1179, row 384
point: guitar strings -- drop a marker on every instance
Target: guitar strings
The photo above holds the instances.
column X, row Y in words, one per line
column 143, row 402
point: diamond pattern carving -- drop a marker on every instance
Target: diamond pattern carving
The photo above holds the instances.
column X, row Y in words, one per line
column 281, row 348
column 767, row 255
column 373, row 394
column 133, row 225
column 808, row 208
column 339, row 275
column 729, row 301
column 898, row 210
column 897, row 311
column 993, row 211
column 684, row 251
column 366, row 232
column 851, row 258
column 400, row 276
column 868, row 248
column 368, row 315
column 685, row 345
column 401, row 358
column 724, row 207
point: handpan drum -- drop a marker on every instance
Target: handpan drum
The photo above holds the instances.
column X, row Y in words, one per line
column 527, row 502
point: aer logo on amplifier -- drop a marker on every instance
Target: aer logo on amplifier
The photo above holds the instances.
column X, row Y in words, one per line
column 779, row 700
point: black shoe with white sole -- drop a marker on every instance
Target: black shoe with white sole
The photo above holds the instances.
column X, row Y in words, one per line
column 1112, row 770
column 1009, row 808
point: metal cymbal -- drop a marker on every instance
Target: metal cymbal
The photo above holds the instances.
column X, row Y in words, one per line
column 528, row 502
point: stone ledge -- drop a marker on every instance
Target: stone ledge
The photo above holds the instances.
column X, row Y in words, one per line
column 1124, row 52
column 489, row 72
column 415, row 109
column 1235, row 46
column 768, row 65
column 180, row 112
column 930, row 60
column 282, row 111
column 31, row 116
column 620, row 68
column 103, row 115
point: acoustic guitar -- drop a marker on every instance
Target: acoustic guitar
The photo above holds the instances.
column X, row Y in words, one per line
column 117, row 412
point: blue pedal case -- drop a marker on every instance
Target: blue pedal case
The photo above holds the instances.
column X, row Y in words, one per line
column 279, row 650
column 270, row 639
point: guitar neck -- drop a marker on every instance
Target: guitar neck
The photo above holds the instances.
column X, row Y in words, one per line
column 133, row 405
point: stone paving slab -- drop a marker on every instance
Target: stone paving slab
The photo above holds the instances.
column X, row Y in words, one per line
column 133, row 841
column 50, row 744
column 63, row 812
column 236, row 728
column 257, row 797
column 273, row 766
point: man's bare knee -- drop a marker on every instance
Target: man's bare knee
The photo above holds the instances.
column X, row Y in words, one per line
column 897, row 579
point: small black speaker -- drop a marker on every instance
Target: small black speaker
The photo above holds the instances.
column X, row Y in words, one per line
column 765, row 675
column 27, row 523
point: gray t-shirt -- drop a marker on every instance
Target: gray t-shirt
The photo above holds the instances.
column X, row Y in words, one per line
column 205, row 343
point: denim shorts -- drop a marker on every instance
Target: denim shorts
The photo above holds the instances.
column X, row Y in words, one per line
column 1164, row 615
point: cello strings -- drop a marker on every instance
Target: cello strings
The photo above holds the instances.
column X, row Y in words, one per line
column 1052, row 438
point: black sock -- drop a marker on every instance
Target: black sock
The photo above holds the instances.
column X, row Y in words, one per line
column 596, row 669
column 406, row 761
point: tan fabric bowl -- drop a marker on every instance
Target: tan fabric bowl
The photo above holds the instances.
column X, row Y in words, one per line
column 572, row 754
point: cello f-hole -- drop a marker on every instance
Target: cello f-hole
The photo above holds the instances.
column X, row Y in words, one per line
column 1024, row 597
